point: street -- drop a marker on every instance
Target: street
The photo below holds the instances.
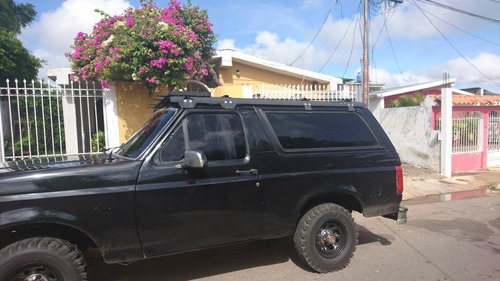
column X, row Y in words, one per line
column 456, row 240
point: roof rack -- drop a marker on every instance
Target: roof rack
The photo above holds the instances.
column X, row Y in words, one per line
column 191, row 99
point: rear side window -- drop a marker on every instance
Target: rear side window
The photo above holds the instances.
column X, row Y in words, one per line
column 318, row 130
column 219, row 136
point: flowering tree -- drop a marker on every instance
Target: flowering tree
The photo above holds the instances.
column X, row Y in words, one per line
column 156, row 46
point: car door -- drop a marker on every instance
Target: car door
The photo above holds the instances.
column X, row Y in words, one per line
column 181, row 209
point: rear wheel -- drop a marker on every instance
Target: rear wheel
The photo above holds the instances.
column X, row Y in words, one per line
column 326, row 238
column 42, row 259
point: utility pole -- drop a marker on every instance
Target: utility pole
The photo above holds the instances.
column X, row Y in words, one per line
column 366, row 62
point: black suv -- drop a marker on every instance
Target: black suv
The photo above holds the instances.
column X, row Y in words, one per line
column 203, row 172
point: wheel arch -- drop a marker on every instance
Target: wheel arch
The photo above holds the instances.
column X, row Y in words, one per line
column 17, row 232
column 345, row 199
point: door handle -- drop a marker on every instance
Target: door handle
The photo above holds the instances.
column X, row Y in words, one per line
column 250, row 172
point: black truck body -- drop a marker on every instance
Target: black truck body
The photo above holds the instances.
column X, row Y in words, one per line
column 140, row 200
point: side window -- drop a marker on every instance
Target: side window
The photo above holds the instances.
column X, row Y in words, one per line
column 317, row 130
column 175, row 147
column 219, row 136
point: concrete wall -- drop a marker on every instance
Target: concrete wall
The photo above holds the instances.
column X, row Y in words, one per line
column 376, row 106
column 409, row 129
column 134, row 107
column 466, row 162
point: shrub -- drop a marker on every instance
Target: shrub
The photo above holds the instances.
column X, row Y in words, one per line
column 409, row 100
column 156, row 46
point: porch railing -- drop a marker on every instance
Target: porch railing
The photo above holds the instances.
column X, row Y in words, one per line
column 311, row 92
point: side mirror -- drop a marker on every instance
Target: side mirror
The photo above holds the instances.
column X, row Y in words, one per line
column 194, row 159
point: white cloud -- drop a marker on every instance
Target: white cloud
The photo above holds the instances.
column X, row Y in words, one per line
column 268, row 45
column 407, row 21
column 226, row 44
column 55, row 31
column 458, row 68
column 307, row 4
column 333, row 32
column 267, row 39
column 466, row 73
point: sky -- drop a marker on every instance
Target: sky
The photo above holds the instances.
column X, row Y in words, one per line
column 410, row 43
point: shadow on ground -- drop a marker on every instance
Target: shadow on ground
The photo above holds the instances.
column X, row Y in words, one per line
column 211, row 262
column 367, row 237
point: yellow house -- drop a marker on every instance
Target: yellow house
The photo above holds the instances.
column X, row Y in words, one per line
column 243, row 75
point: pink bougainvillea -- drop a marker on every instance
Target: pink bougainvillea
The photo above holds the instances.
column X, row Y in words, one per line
column 153, row 45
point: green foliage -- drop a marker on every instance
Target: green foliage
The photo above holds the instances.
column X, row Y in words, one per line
column 152, row 45
column 32, row 124
column 98, row 141
column 409, row 100
column 16, row 62
column 14, row 16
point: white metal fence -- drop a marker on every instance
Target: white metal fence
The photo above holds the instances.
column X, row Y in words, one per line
column 465, row 132
column 494, row 131
column 310, row 92
column 42, row 120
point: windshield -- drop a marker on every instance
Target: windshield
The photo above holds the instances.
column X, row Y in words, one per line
column 134, row 146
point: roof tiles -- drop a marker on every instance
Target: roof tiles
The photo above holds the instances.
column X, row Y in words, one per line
column 474, row 100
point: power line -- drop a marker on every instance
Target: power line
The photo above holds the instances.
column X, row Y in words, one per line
column 394, row 53
column 316, row 35
column 465, row 31
column 453, row 46
column 386, row 20
column 352, row 45
column 459, row 11
column 342, row 39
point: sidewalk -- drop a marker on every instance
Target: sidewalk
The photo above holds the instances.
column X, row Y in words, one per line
column 420, row 182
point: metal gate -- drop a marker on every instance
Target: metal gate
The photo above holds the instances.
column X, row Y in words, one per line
column 42, row 120
column 494, row 139
column 465, row 129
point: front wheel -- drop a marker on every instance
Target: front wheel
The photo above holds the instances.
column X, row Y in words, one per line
column 43, row 259
column 326, row 238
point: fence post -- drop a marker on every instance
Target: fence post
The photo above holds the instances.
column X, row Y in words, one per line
column 110, row 117
column 70, row 123
column 446, row 131
column 483, row 137
column 2, row 148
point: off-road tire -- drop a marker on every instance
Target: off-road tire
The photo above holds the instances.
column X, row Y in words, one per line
column 323, row 255
column 52, row 258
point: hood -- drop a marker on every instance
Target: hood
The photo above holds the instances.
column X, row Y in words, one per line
column 43, row 163
column 76, row 172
